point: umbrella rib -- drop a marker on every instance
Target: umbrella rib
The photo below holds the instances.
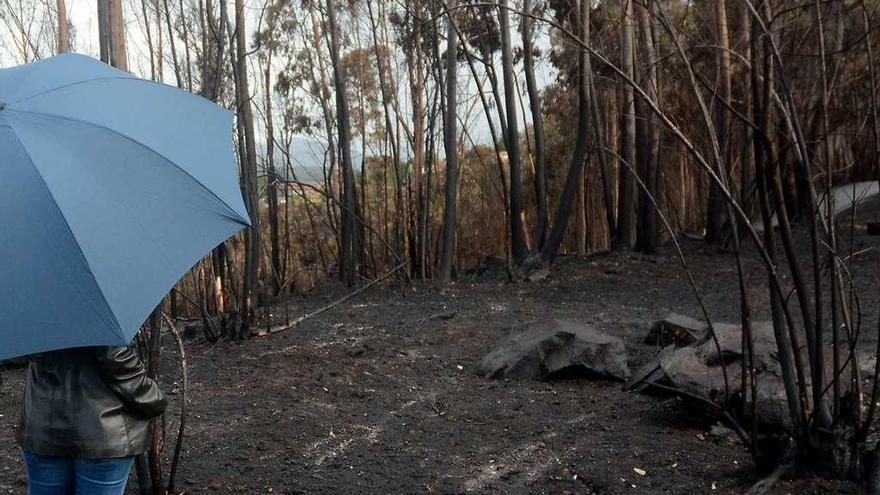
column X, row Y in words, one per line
column 117, row 329
column 234, row 216
column 69, row 85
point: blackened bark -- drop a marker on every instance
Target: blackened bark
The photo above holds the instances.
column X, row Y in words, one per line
column 349, row 249
column 540, row 231
column 450, row 131
column 576, row 167
column 517, row 242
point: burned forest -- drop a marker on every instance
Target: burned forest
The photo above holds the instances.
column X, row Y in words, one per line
column 518, row 246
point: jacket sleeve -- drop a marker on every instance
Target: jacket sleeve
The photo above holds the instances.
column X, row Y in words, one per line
column 125, row 374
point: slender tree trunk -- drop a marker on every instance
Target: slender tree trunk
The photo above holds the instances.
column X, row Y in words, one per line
column 872, row 87
column 186, row 46
column 350, row 248
column 624, row 238
column 387, row 103
column 149, row 33
column 820, row 401
column 648, row 147
column 174, row 61
column 574, row 178
column 715, row 207
column 488, row 63
column 213, row 52
column 765, row 156
column 417, row 86
column 431, row 158
column 118, row 55
column 362, row 205
column 517, row 244
column 317, row 73
column 496, row 143
column 278, row 274
column 747, row 176
column 111, row 33
column 540, row 232
column 160, row 49
column 604, row 163
column 450, row 133
column 156, row 428
column 580, row 218
column 248, row 168
column 63, row 42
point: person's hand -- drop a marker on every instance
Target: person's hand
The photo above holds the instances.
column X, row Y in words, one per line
column 126, row 375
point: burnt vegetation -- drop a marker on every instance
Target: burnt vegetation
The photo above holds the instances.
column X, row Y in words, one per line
column 434, row 144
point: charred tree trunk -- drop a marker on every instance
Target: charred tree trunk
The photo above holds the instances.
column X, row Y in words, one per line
column 278, row 274
column 624, row 237
column 416, row 74
column 387, row 104
column 248, row 169
column 574, row 178
column 540, row 231
column 450, row 132
column 648, row 149
column 349, row 249
column 517, row 242
column 715, row 207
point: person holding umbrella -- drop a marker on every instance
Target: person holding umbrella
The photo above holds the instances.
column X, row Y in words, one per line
column 86, row 414
column 111, row 188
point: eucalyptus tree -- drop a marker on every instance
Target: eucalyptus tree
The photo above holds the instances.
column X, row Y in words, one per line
column 715, row 205
column 574, row 178
column 450, row 142
column 63, row 35
column 517, row 241
column 540, row 231
column 623, row 237
column 349, row 246
column 248, row 166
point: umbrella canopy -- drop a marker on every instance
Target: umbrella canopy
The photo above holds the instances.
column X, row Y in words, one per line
column 111, row 188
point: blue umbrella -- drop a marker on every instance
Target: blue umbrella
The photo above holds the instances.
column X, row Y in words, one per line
column 111, row 188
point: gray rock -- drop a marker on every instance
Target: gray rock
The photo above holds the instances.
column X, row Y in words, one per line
column 772, row 404
column 676, row 329
column 651, row 373
column 728, row 338
column 546, row 348
column 687, row 370
column 699, row 369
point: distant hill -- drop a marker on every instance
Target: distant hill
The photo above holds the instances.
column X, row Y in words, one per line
column 307, row 155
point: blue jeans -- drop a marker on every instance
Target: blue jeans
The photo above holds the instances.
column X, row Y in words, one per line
column 65, row 476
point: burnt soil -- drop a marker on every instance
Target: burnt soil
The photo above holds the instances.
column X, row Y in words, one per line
column 379, row 395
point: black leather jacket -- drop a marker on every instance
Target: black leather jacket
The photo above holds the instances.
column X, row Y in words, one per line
column 88, row 403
